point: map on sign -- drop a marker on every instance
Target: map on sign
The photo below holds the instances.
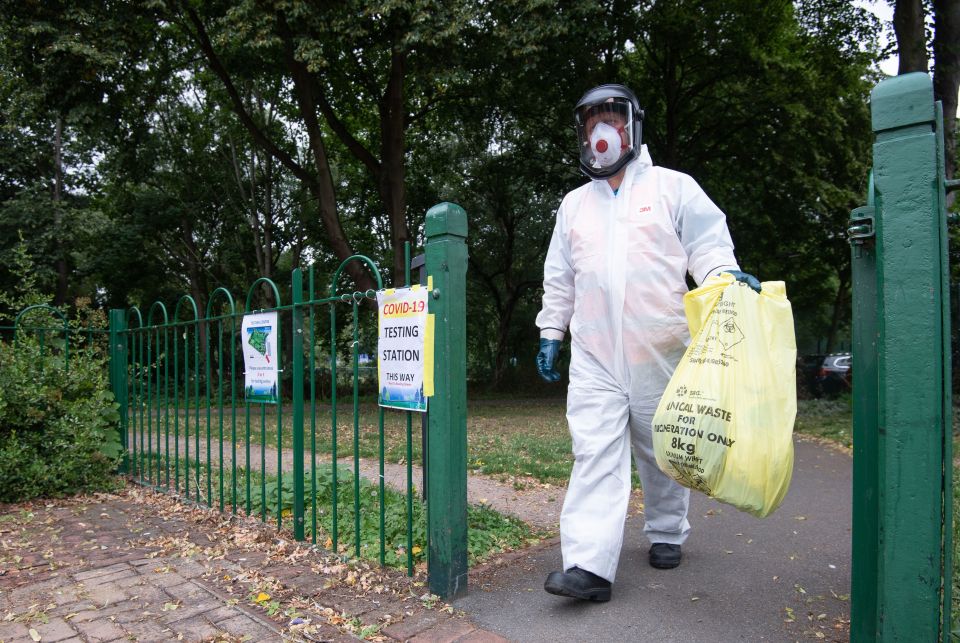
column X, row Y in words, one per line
column 259, row 333
column 258, row 341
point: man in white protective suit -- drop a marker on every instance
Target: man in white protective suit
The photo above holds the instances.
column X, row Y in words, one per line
column 615, row 274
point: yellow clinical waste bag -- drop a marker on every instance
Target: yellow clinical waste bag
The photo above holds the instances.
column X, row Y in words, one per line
column 724, row 425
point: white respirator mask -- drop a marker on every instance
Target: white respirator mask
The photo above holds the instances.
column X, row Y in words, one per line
column 606, row 143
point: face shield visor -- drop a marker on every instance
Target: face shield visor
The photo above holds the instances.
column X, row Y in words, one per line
column 605, row 134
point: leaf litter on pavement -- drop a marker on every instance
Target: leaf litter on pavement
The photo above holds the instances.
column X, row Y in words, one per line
column 238, row 556
column 232, row 537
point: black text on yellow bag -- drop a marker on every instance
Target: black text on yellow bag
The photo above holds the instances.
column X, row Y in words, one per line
column 724, row 425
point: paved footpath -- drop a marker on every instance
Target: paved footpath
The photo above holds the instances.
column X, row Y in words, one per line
column 139, row 566
column 785, row 577
column 142, row 566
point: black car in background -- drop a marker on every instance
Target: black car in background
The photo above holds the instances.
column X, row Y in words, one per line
column 835, row 375
column 824, row 375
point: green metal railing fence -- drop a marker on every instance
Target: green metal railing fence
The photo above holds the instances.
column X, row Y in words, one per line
column 186, row 431
column 49, row 327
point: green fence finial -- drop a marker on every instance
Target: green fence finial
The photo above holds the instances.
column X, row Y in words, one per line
column 446, row 218
column 901, row 101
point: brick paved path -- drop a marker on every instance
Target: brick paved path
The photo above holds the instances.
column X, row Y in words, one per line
column 138, row 566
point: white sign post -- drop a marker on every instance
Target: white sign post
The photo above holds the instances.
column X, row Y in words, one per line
column 260, row 358
column 403, row 352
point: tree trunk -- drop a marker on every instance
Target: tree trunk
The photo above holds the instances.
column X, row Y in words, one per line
column 503, row 338
column 60, row 296
column 268, row 217
column 671, row 153
column 392, row 175
column 841, row 300
column 911, row 38
column 255, row 216
column 197, row 276
column 946, row 75
column 248, row 205
column 320, row 184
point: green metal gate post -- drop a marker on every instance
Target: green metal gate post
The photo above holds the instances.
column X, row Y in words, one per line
column 446, row 261
column 863, row 597
column 298, row 486
column 118, row 373
column 902, row 564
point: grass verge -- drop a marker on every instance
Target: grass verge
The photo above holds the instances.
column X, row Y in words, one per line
column 331, row 513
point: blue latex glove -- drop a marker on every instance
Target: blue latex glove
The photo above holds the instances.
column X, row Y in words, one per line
column 745, row 278
column 549, row 349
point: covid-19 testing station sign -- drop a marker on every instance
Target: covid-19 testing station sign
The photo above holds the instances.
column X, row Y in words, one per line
column 260, row 357
column 404, row 348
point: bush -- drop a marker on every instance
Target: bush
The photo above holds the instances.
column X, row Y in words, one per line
column 58, row 427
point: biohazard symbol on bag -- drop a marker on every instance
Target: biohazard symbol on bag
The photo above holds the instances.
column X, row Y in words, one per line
column 728, row 333
column 724, row 425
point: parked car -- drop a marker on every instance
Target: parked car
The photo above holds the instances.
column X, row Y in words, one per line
column 807, row 368
column 835, row 375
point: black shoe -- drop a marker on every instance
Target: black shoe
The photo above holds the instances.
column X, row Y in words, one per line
column 578, row 583
column 664, row 555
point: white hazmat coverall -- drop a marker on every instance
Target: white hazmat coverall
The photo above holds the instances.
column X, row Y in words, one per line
column 615, row 274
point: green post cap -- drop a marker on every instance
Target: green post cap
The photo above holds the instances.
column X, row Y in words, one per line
column 446, row 218
column 903, row 100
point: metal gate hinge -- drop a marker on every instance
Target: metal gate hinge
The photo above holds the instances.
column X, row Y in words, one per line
column 861, row 224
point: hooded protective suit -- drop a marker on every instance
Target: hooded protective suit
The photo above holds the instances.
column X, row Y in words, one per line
column 615, row 275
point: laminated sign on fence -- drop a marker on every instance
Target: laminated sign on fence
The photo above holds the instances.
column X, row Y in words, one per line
column 260, row 357
column 404, row 348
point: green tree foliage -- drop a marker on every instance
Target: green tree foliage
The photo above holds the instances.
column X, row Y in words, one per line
column 763, row 103
column 58, row 419
column 24, row 290
column 58, row 427
column 58, row 62
column 205, row 144
column 358, row 77
column 768, row 111
column 193, row 207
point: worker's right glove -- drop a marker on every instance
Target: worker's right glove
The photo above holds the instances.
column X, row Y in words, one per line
column 549, row 350
column 745, row 278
